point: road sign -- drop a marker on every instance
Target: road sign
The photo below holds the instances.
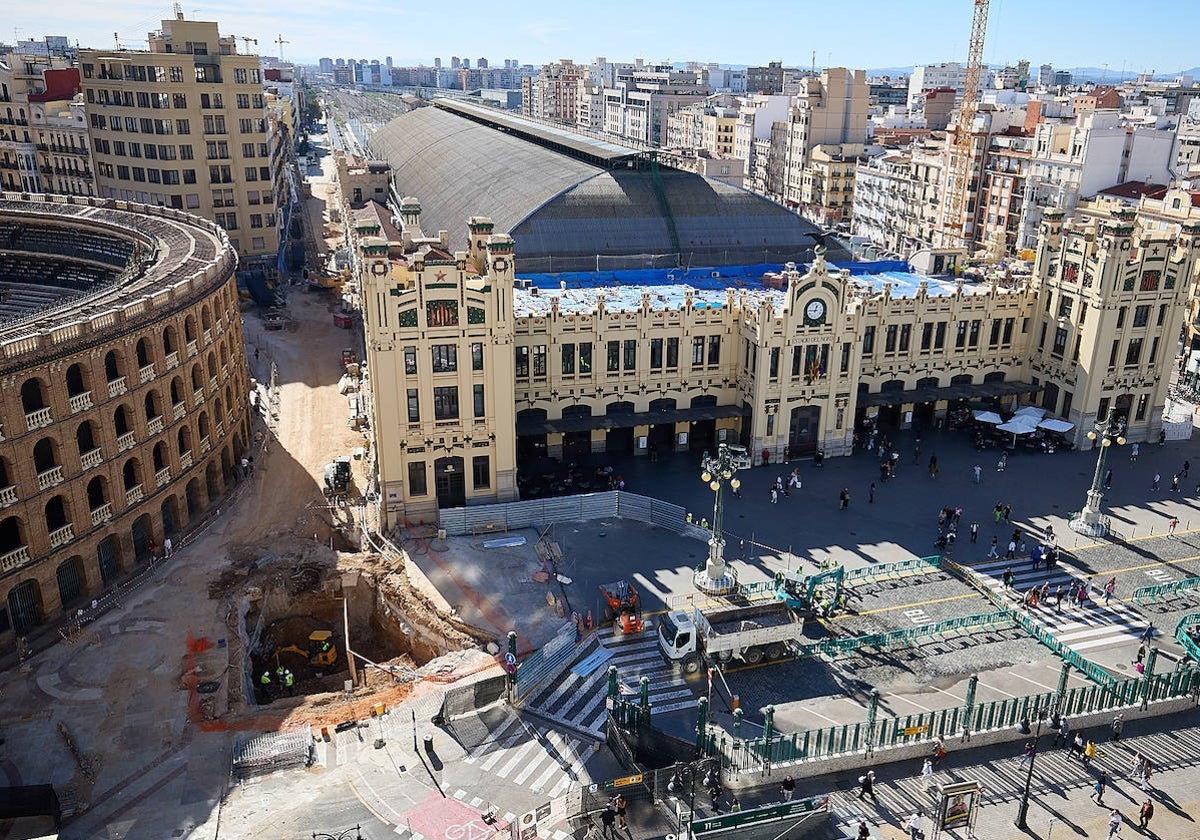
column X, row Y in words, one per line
column 625, row 781
column 916, row 730
column 510, row 659
column 767, row 814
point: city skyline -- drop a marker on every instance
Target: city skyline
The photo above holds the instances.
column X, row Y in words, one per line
column 539, row 32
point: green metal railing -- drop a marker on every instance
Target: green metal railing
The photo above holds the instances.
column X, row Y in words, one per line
column 1183, row 635
column 904, row 636
column 886, row 571
column 1161, row 591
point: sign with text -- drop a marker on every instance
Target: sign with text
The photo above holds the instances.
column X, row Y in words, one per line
column 756, row 816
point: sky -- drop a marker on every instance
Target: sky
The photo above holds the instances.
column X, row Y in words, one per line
column 1141, row 37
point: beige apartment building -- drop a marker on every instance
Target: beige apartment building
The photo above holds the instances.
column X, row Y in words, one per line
column 478, row 377
column 185, row 125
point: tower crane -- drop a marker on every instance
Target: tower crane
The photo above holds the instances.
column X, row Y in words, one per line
column 281, row 42
column 957, row 224
column 246, row 42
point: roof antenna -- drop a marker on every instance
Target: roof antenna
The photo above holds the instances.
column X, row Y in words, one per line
column 178, row 11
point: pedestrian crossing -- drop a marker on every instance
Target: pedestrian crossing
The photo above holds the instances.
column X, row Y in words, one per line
column 1094, row 625
column 578, row 700
column 539, row 759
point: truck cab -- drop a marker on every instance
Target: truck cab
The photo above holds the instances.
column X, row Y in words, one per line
column 678, row 639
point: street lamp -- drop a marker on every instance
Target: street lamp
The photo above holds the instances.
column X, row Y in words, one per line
column 1023, row 811
column 716, row 471
column 1089, row 521
column 342, row 835
column 708, row 767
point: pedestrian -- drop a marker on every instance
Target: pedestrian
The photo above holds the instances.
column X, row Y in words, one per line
column 256, row 354
column 1002, row 464
column 998, row 510
column 914, row 827
column 1144, row 815
column 871, row 493
column 1148, row 633
column 1172, row 524
column 289, row 682
column 1007, row 578
column 1007, row 512
column 619, row 803
column 978, row 470
column 1146, row 771
column 245, row 466
column 1109, row 588
column 1175, row 483
column 1099, row 788
column 152, row 547
column 866, row 786
column 927, row 774
column 1108, row 480
column 1049, row 532
column 788, row 788
column 1114, row 822
column 714, row 795
column 265, row 682
column 774, row 495
column 1089, row 752
column 590, row 832
column 1135, row 768
column 939, row 752
column 1133, row 452
column 1027, row 754
column 1117, row 725
column 1012, row 551
column 974, row 531
column 994, row 552
column 608, row 818
column 844, row 499
column 1058, row 598
column 1157, row 479
column 1186, row 466
column 735, row 805
column 1063, row 735
column 1077, row 745
column 864, row 831
column 168, row 547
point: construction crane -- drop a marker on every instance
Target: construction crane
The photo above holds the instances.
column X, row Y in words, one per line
column 957, row 228
column 281, row 42
column 246, row 42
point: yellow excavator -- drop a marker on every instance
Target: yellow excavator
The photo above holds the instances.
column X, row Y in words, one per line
column 321, row 651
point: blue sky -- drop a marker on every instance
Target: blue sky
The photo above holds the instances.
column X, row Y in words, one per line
column 1147, row 35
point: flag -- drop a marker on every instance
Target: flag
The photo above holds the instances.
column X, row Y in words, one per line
column 710, row 676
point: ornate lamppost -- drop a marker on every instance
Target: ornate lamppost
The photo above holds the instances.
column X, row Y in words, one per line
column 1089, row 521
column 1023, row 809
column 716, row 578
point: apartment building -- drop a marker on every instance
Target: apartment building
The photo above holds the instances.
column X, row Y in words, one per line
column 43, row 132
column 638, row 106
column 552, row 94
column 827, row 185
column 897, row 196
column 829, row 110
column 185, row 125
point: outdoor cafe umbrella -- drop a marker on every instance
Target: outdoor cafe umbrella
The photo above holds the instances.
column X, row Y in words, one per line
column 1030, row 411
column 988, row 417
column 1018, row 426
column 1053, row 424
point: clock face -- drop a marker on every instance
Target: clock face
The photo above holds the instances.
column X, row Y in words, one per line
column 815, row 311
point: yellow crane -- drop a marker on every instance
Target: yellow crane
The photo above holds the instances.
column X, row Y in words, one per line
column 957, row 224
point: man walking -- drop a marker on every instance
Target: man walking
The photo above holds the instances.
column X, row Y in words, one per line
column 994, row 553
column 978, row 470
column 1108, row 480
column 914, row 827
column 974, row 531
column 608, row 819
column 1063, row 736
column 1012, row 551
column 1117, row 725
column 1170, row 525
column 844, row 499
column 1002, row 464
column 1157, row 479
column 788, row 788
column 866, row 785
column 1114, row 819
column 1099, row 788
column 1144, row 815
column 871, row 493
column 927, row 774
column 1027, row 755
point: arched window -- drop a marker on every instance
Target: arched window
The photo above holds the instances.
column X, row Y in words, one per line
column 121, row 420
column 189, row 328
column 168, row 338
column 76, row 382
column 197, row 377
column 33, row 395
column 143, row 353
column 184, row 439
column 160, row 456
column 131, row 474
column 97, row 492
column 85, row 437
column 56, row 514
column 114, row 366
column 176, row 391
column 153, row 405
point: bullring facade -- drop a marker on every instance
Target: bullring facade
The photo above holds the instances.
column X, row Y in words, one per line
column 124, row 401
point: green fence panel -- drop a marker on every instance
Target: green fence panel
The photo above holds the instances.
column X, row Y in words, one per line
column 1160, row 591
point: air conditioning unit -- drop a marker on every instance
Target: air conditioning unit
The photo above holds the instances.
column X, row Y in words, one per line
column 522, row 283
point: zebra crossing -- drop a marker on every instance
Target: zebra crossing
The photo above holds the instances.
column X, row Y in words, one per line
column 577, row 699
column 540, row 759
column 1095, row 625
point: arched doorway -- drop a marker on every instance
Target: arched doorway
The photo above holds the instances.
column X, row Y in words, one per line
column 141, row 532
column 702, row 434
column 212, row 480
column 25, row 606
column 923, row 411
column 890, row 416
column 170, row 521
column 450, row 481
column 1050, row 398
column 662, row 434
column 619, row 440
column 804, row 430
column 577, row 446
column 108, row 557
column 195, row 498
column 531, row 447
column 72, row 582
column 1121, row 406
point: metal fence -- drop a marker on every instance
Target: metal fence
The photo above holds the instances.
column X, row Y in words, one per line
column 1183, row 634
column 905, row 636
column 1161, row 591
column 762, row 753
column 547, row 662
column 886, row 571
column 539, row 513
column 254, row 755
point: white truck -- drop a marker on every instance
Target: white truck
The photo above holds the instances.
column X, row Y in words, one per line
column 752, row 633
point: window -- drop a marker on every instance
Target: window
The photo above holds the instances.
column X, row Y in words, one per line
column 656, row 354
column 416, row 479
column 185, row 153
column 960, row 335
column 1162, row 314
column 539, row 360
column 1133, row 354
column 476, row 356
column 973, row 334
column 445, row 358
column 445, row 403
column 631, row 354
column 994, row 337
column 176, row 74
column 926, row 336
column 1042, row 337
column 1065, row 305
column 243, row 101
column 774, row 363
column 868, row 340
column 477, row 398
column 179, row 100
column 251, row 173
column 889, row 338
column 614, row 356
column 905, row 337
column 797, row 354
column 939, row 338
column 845, row 365
column 522, row 361
column 1140, row 412
column 1112, row 356
column 255, row 219
column 1066, row 406
column 1008, row 330
column 585, row 358
column 1120, row 317
column 672, row 353
column 714, row 349
column 697, row 350
column 239, row 75
column 1141, row 316
column 568, row 359
column 1153, row 351
column 481, row 471
column 414, row 406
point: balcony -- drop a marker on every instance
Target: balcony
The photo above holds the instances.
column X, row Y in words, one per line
column 92, row 459
column 81, row 402
column 198, row 397
column 204, row 445
column 102, row 514
column 38, row 419
column 8, row 495
column 192, row 348
column 134, row 495
column 163, row 477
column 212, row 385
column 171, row 359
column 207, row 337
column 179, row 410
column 185, row 460
column 126, row 442
column 14, row 559
column 154, row 425
column 224, row 371
column 116, row 387
column 147, row 373
column 220, row 430
column 49, row 478
column 62, row 536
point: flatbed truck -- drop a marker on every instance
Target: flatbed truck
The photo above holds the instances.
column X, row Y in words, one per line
column 753, row 633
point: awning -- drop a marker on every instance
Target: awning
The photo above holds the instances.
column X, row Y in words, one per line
column 627, row 420
column 1053, row 424
column 948, row 392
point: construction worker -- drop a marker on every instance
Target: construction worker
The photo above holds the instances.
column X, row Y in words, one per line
column 265, row 682
column 325, row 646
column 289, row 682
